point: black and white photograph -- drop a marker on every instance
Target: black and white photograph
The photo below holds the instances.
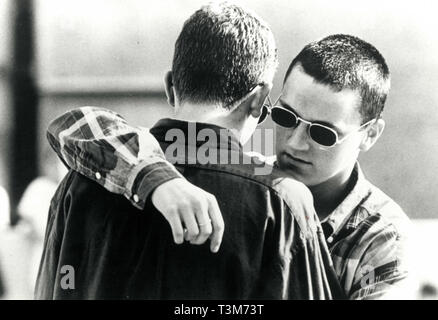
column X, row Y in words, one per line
column 218, row 151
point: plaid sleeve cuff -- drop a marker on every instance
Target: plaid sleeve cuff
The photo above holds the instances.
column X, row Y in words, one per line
column 148, row 178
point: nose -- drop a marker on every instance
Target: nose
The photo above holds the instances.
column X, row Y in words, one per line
column 298, row 137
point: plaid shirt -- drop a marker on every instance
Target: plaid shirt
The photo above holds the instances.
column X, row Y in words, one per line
column 99, row 144
column 366, row 234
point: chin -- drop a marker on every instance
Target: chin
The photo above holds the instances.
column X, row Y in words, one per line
column 294, row 174
column 308, row 179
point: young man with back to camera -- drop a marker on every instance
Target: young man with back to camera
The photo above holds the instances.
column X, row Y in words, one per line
column 273, row 246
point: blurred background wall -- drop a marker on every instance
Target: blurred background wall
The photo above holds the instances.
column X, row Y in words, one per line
column 114, row 53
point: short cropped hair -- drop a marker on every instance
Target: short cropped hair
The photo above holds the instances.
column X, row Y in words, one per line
column 221, row 54
column 344, row 61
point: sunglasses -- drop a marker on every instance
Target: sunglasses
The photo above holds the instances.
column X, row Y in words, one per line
column 319, row 133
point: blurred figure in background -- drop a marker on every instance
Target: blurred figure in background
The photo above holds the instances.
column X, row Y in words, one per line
column 21, row 252
column 34, row 207
column 4, row 218
column 2, row 290
column 4, row 208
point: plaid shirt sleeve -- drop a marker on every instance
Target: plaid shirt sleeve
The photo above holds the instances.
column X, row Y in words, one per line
column 99, row 144
column 374, row 259
column 384, row 268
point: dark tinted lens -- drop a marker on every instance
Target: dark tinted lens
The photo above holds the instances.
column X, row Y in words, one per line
column 283, row 118
column 264, row 114
column 322, row 135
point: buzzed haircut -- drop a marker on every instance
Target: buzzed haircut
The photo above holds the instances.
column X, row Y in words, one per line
column 221, row 54
column 347, row 62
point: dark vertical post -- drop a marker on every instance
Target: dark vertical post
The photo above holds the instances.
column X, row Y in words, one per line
column 23, row 142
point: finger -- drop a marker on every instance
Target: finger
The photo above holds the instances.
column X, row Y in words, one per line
column 204, row 224
column 177, row 229
column 189, row 221
column 217, row 223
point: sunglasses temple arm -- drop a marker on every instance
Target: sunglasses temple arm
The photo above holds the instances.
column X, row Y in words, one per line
column 269, row 102
column 350, row 133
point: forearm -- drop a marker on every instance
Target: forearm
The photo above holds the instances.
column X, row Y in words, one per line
column 99, row 144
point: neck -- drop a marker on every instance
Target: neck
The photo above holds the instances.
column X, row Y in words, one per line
column 211, row 114
column 329, row 194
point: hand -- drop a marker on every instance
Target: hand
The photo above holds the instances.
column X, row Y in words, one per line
column 184, row 205
column 300, row 200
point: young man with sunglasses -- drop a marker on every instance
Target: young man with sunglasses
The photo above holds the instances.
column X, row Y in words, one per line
column 329, row 111
column 273, row 247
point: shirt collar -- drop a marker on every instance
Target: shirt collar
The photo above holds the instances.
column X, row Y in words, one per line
column 338, row 218
column 225, row 138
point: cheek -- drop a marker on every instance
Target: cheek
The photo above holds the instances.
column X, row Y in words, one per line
column 323, row 159
column 281, row 136
column 248, row 130
column 338, row 158
column 349, row 150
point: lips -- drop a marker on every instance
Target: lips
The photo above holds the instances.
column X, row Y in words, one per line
column 295, row 159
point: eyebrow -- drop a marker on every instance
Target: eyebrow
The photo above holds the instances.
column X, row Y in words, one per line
column 325, row 123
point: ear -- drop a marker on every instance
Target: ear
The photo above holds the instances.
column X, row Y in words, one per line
column 168, row 86
column 373, row 133
column 258, row 99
